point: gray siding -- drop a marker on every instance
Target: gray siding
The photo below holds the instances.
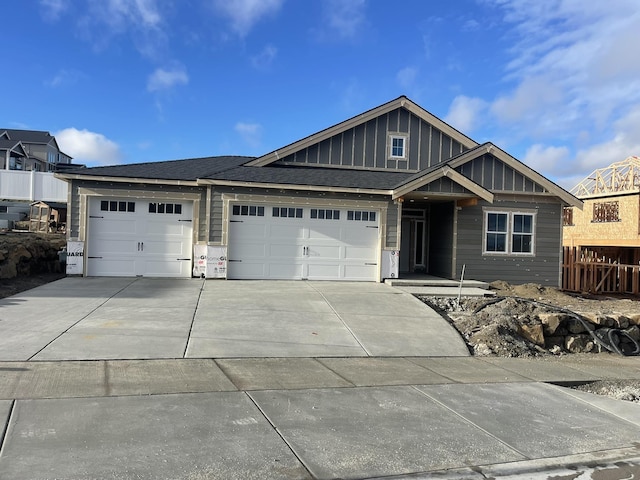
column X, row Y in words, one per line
column 543, row 268
column 493, row 174
column 441, row 239
column 365, row 146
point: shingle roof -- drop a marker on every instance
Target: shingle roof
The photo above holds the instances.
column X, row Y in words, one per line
column 28, row 136
column 7, row 144
column 319, row 176
column 188, row 169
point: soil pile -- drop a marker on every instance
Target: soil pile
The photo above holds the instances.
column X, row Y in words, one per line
column 528, row 320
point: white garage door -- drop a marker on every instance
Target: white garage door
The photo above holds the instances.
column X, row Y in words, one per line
column 134, row 237
column 326, row 243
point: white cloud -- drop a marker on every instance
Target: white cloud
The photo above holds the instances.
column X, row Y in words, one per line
column 140, row 20
column 88, row 147
column 64, row 77
column 465, row 112
column 52, row 9
column 344, row 17
column 164, row 79
column 548, row 160
column 406, row 77
column 572, row 78
column 251, row 133
column 265, row 58
column 244, row 14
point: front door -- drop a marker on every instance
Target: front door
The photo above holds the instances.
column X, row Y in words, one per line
column 412, row 247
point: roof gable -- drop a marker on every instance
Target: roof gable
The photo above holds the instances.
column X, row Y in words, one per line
column 13, row 146
column 487, row 169
column 401, row 104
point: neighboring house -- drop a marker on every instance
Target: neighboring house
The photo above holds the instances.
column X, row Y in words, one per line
column 391, row 192
column 609, row 224
column 30, row 150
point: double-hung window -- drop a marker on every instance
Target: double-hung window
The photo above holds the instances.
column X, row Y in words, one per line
column 509, row 233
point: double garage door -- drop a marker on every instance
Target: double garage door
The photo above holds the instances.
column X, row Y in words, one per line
column 139, row 237
column 302, row 242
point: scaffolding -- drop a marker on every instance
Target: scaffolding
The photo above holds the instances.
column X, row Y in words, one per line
column 618, row 178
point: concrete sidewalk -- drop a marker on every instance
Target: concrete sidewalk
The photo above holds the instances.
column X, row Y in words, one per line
column 319, row 418
column 128, row 379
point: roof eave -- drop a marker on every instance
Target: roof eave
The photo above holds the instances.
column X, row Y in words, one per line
column 104, row 178
column 448, row 172
column 291, row 186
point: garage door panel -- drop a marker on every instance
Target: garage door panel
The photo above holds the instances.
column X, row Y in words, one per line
column 247, row 270
column 361, row 235
column 285, row 250
column 247, row 230
column 359, row 272
column 109, row 226
column 164, row 268
column 158, row 228
column 112, row 246
column 284, row 271
column 326, row 232
column 174, row 248
column 123, row 267
column 358, row 253
column 325, row 252
column 285, row 231
column 323, row 271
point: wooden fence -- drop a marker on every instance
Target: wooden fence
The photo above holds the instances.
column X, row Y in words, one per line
column 584, row 271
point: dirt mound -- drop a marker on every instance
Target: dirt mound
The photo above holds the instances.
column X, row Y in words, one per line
column 531, row 320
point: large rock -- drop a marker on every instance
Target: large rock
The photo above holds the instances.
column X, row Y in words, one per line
column 24, row 254
column 598, row 319
column 551, row 322
column 533, row 333
column 579, row 343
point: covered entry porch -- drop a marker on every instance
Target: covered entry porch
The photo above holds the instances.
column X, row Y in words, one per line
column 428, row 231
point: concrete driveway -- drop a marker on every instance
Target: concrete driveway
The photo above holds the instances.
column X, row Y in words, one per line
column 143, row 318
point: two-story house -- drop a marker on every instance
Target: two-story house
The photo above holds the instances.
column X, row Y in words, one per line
column 30, row 150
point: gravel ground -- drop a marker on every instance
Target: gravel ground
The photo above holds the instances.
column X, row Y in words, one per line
column 494, row 330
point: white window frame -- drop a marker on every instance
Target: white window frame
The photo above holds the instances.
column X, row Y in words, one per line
column 509, row 232
column 405, row 140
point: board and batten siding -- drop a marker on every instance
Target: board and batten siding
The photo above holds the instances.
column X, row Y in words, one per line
column 366, row 146
column 542, row 268
column 263, row 195
column 135, row 190
column 496, row 176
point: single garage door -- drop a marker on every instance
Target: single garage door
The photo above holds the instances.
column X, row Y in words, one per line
column 137, row 237
column 301, row 242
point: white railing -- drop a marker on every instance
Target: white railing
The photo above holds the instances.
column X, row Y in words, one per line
column 32, row 186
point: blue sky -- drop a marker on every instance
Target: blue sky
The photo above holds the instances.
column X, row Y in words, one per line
column 556, row 83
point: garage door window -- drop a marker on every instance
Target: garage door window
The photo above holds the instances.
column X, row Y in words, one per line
column 168, row 208
column 283, row 212
column 248, row 210
column 322, row 214
column 359, row 215
column 117, row 206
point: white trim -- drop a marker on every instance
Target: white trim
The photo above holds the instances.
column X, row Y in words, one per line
column 405, row 146
column 509, row 233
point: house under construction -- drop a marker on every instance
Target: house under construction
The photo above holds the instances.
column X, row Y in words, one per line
column 609, row 223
